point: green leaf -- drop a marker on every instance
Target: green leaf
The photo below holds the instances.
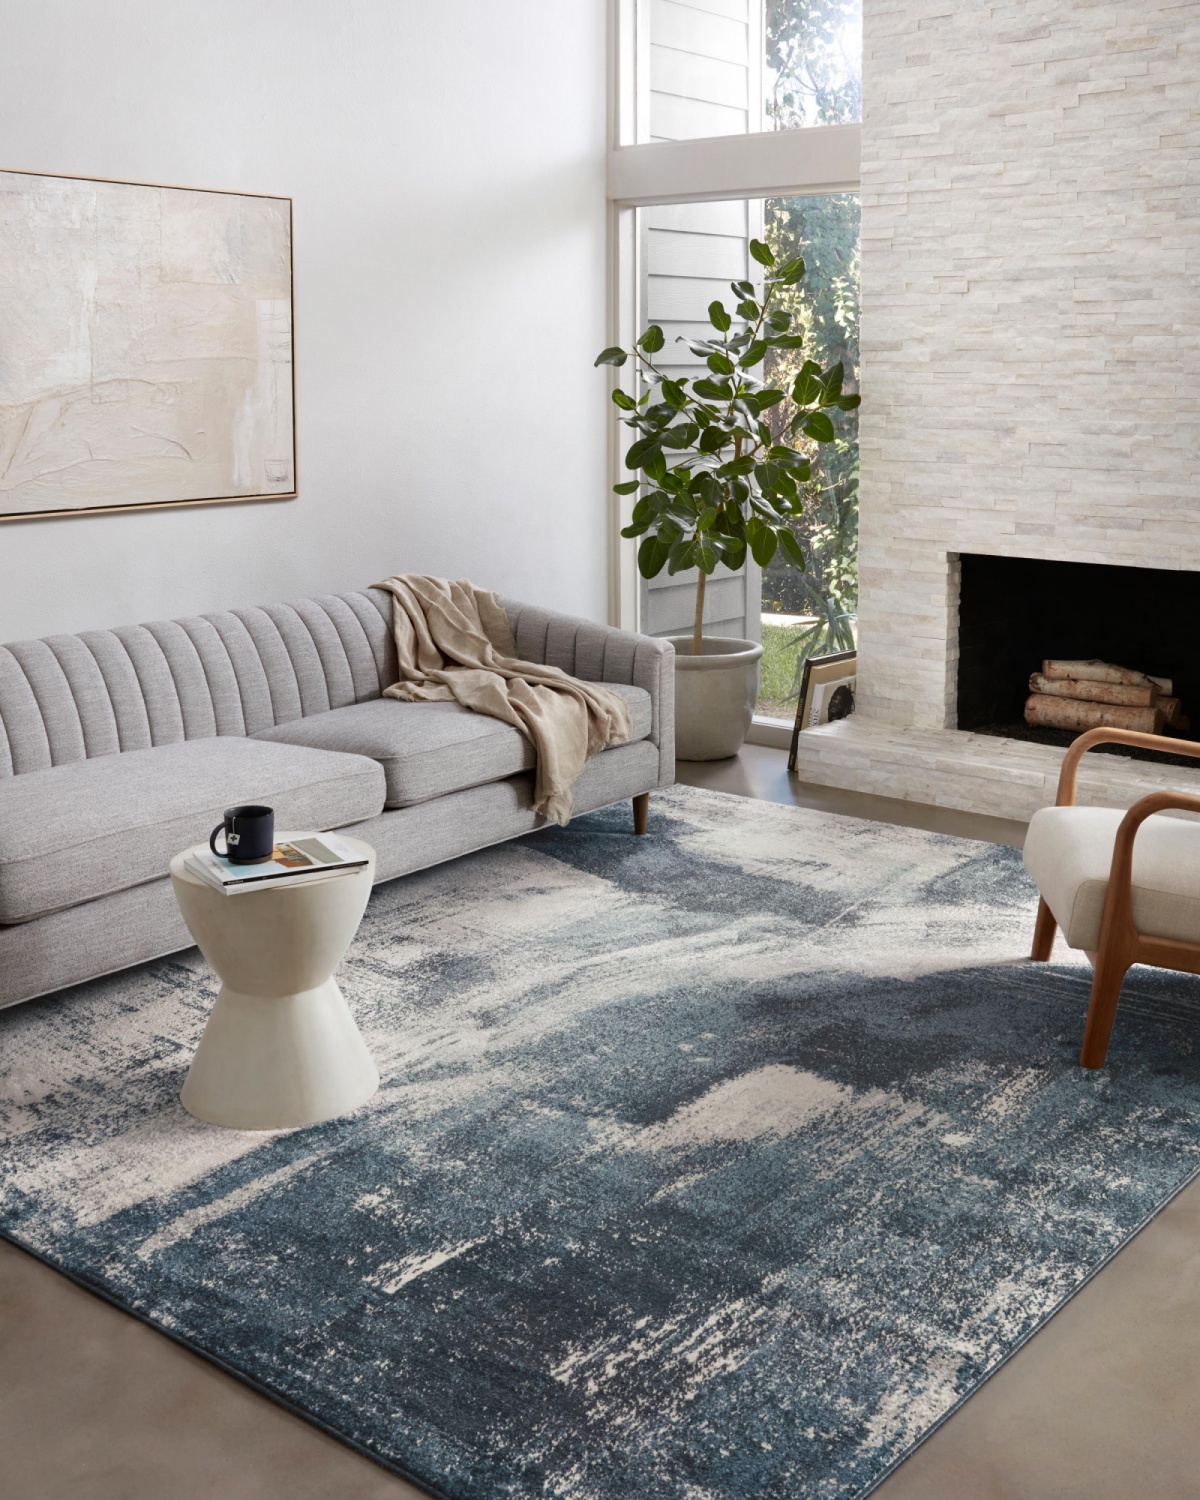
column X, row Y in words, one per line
column 754, row 354
column 611, row 357
column 832, row 382
column 635, row 528
column 819, row 428
column 791, row 548
column 736, row 467
column 623, row 400
column 786, row 341
column 706, row 518
column 680, row 556
column 627, row 486
column 652, row 554
column 655, row 465
column 705, row 555
column 792, row 272
column 713, row 390
column 807, row 387
column 761, row 253
column 652, row 340
column 733, row 553
column 779, row 321
column 644, row 449
column 748, row 309
column 708, row 489
column 763, row 542
column 768, row 397
column 848, row 403
column 743, row 288
column 682, row 436
column 720, row 364
column 719, row 318
column 674, row 394
column 644, row 512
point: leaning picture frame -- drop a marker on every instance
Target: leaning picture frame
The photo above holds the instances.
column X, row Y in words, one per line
column 826, row 694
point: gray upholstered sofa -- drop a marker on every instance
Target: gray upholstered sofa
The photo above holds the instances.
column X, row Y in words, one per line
column 120, row 747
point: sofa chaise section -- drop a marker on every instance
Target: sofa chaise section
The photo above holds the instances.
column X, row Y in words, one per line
column 74, row 832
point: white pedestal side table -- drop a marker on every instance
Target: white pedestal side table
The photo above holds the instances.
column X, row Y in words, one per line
column 280, row 1048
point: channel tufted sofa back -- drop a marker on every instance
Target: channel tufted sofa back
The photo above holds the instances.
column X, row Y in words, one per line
column 72, row 697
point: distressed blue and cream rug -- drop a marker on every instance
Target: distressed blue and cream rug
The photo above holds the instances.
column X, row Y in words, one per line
column 715, row 1165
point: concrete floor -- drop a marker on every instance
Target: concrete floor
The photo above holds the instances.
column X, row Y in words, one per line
column 1104, row 1403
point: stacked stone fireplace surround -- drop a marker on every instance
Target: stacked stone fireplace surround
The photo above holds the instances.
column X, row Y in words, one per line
column 1030, row 352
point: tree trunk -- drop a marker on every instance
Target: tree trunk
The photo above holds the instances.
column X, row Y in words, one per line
column 698, row 630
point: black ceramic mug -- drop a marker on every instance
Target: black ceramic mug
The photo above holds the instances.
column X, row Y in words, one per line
column 249, row 834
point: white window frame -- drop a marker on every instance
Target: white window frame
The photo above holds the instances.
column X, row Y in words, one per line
column 760, row 164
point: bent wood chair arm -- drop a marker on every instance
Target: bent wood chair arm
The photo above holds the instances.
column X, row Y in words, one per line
column 1043, row 932
column 1132, row 737
column 1121, row 944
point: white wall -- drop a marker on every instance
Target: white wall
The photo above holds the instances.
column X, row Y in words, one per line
column 446, row 158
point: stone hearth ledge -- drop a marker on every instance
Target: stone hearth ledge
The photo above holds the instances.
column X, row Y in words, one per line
column 972, row 772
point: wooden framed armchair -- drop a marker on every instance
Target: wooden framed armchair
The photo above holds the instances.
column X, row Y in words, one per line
column 1123, row 889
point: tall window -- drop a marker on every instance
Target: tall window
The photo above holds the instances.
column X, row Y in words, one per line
column 738, row 119
column 725, row 67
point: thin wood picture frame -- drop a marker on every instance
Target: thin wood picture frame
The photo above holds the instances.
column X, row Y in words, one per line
column 826, row 683
column 165, row 390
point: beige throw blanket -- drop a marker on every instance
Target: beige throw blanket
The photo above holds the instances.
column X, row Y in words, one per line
column 453, row 642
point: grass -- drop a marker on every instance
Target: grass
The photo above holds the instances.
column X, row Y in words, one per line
column 776, row 692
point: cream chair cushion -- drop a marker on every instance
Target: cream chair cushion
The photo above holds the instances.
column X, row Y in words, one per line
column 1068, row 851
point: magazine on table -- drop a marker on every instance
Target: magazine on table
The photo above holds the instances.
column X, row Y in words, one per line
column 294, row 861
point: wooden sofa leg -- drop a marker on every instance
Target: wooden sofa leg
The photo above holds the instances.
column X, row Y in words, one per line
column 1043, row 934
column 1111, row 969
column 641, row 812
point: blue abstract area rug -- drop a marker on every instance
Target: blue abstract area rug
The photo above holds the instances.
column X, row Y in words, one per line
column 715, row 1165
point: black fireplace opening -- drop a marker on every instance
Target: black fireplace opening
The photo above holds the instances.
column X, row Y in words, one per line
column 1016, row 612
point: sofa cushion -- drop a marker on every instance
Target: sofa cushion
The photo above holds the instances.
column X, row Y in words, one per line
column 429, row 749
column 77, row 831
column 1068, row 851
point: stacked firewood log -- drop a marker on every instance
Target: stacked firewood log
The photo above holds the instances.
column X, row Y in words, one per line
column 1087, row 694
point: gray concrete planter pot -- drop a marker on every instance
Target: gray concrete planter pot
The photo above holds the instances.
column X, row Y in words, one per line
column 715, row 694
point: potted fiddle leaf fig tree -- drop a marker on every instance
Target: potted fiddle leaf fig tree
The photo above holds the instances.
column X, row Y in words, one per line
column 718, row 477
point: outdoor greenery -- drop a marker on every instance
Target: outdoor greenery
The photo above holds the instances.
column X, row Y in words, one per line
column 825, row 312
column 814, row 77
column 777, row 671
column 743, row 442
column 814, row 62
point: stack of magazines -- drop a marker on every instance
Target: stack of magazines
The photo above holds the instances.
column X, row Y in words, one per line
column 295, row 861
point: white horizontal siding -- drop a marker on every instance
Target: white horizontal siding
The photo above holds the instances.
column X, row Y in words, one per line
column 705, row 71
column 686, row 298
column 673, row 119
column 705, row 79
column 685, row 28
column 717, row 257
column 735, row 10
column 698, row 218
column 689, row 76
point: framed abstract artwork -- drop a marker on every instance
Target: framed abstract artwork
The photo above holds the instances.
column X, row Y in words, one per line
column 146, row 348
